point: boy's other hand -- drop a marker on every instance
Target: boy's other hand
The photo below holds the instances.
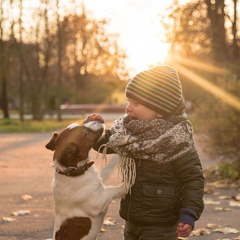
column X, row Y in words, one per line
column 184, row 229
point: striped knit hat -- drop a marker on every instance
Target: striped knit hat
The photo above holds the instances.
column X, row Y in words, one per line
column 158, row 88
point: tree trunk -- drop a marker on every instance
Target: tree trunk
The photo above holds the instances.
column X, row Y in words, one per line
column 3, row 65
column 21, row 82
column 40, row 81
column 235, row 50
column 59, row 64
column 4, row 97
column 216, row 15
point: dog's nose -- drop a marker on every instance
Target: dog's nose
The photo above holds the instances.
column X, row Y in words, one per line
column 94, row 125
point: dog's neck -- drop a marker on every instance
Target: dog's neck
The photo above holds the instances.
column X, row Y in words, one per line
column 75, row 171
column 58, row 166
column 83, row 162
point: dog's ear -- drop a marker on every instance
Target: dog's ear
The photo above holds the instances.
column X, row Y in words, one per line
column 69, row 155
column 52, row 143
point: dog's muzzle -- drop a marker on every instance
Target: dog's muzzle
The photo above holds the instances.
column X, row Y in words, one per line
column 94, row 125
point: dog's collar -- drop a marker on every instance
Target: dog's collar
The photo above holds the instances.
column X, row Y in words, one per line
column 75, row 171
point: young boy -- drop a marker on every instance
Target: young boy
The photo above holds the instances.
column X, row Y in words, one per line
column 159, row 163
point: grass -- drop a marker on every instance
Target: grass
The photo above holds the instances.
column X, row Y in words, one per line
column 16, row 126
column 229, row 170
column 224, row 171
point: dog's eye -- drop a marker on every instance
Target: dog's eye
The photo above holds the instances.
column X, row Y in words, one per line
column 87, row 131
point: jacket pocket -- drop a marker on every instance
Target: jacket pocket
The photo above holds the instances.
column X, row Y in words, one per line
column 158, row 191
column 158, row 203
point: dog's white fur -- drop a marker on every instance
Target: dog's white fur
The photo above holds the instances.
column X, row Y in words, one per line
column 82, row 196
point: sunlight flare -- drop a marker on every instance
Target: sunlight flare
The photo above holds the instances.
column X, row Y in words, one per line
column 210, row 87
column 199, row 65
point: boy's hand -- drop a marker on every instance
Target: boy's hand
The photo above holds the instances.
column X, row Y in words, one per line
column 184, row 229
column 94, row 117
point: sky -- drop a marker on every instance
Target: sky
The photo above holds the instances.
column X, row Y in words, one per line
column 137, row 23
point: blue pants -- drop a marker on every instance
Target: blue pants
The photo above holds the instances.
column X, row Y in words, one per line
column 134, row 231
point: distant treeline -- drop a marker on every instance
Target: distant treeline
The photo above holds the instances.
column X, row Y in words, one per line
column 51, row 54
column 205, row 47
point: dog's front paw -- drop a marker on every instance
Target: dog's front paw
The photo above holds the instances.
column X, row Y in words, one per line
column 121, row 192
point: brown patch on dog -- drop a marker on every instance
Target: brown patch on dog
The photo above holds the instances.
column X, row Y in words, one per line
column 70, row 155
column 74, row 228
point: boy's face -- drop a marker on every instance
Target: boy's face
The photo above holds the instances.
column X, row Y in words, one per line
column 136, row 110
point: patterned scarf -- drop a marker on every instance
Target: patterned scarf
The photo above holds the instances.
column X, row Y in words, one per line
column 154, row 140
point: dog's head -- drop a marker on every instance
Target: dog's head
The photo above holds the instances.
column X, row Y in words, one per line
column 73, row 143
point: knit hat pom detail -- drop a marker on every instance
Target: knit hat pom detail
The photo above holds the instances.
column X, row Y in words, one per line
column 158, row 89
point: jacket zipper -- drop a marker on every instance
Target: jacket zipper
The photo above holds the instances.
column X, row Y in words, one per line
column 130, row 197
column 129, row 207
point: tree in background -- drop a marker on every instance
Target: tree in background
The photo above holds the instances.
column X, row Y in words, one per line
column 58, row 57
column 59, row 46
column 198, row 29
column 216, row 17
column 5, row 55
column 205, row 39
column 19, row 47
column 235, row 42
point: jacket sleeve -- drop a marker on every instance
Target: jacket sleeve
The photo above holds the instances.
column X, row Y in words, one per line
column 103, row 140
column 189, row 171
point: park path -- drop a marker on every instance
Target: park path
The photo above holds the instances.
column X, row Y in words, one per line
column 25, row 168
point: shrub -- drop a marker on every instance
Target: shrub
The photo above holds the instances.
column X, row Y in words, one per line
column 219, row 120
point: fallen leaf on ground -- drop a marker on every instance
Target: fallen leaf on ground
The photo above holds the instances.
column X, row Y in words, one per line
column 213, row 225
column 224, row 197
column 3, row 165
column 199, row 232
column 26, row 197
column 237, row 198
column 223, row 239
column 220, row 184
column 234, row 204
column 103, row 230
column 109, row 221
column 222, row 209
column 208, row 190
column 21, row 213
column 211, row 201
column 8, row 219
column 226, row 230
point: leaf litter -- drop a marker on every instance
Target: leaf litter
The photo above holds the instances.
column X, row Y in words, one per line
column 26, row 197
column 21, row 213
column 109, row 222
column 8, row 219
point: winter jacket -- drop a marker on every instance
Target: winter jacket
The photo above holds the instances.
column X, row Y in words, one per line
column 164, row 194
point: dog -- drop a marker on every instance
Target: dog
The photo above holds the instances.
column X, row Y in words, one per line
column 80, row 198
